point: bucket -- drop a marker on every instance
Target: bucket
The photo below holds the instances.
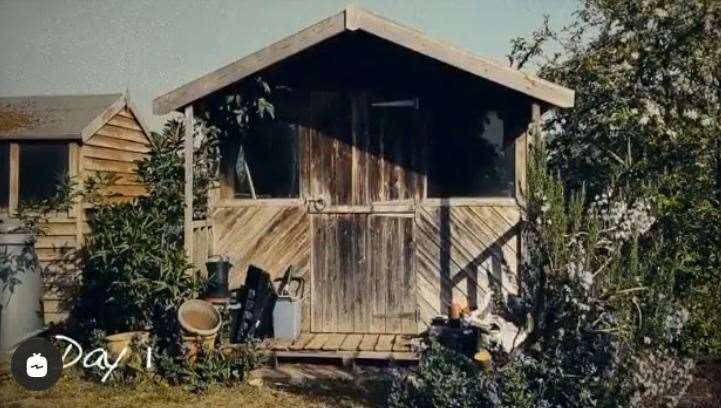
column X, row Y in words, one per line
column 201, row 322
column 21, row 289
column 218, row 270
column 287, row 318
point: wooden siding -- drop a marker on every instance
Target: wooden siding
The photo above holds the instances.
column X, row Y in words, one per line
column 269, row 237
column 202, row 244
column 115, row 148
column 460, row 252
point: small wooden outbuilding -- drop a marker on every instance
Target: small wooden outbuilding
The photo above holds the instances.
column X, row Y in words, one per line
column 391, row 178
column 43, row 140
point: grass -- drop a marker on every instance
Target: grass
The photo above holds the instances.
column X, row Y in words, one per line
column 72, row 391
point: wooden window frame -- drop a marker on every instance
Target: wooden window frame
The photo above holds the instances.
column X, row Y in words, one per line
column 14, row 176
column 227, row 187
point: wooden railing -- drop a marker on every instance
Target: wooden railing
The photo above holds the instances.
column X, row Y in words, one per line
column 202, row 243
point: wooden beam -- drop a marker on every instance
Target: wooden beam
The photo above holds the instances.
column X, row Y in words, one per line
column 442, row 51
column 249, row 65
column 188, row 153
column 352, row 19
column 536, row 121
column 76, row 210
column 520, row 145
column 14, row 187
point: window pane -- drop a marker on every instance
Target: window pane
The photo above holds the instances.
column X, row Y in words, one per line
column 4, row 174
column 269, row 156
column 42, row 167
column 472, row 156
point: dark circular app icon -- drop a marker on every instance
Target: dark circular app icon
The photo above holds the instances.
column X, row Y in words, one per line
column 36, row 364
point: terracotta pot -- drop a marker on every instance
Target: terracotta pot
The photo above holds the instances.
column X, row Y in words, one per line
column 201, row 322
column 199, row 318
column 115, row 343
column 193, row 344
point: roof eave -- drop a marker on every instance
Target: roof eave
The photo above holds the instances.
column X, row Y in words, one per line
column 351, row 19
column 122, row 102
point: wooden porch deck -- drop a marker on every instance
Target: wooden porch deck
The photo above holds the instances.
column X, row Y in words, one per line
column 344, row 346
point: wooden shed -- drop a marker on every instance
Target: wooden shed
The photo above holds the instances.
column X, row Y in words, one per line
column 43, row 140
column 391, row 177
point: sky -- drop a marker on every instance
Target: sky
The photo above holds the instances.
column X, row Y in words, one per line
column 150, row 47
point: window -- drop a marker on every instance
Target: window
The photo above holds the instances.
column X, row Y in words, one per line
column 471, row 155
column 42, row 167
column 265, row 164
column 4, row 175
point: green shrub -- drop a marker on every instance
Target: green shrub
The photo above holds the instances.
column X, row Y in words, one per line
column 133, row 261
column 600, row 331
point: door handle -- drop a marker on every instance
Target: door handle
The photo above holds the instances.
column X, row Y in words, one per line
column 316, row 204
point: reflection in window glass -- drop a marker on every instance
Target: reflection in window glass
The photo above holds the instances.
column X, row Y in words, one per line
column 471, row 156
column 267, row 160
column 4, row 175
column 43, row 166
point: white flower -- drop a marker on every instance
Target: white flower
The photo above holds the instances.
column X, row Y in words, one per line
column 643, row 121
column 660, row 13
column 652, row 108
column 706, row 122
column 635, row 55
column 691, row 114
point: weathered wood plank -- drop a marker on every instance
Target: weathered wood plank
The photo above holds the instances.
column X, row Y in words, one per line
column 122, row 133
column 114, row 143
column 281, row 344
column 346, row 254
column 408, row 278
column 391, row 270
column 318, row 341
column 368, row 343
column 402, row 343
column 109, row 165
column 237, row 70
column 128, row 123
column 334, row 342
column 378, row 276
column 351, row 342
column 112, row 154
column 14, row 183
column 301, row 341
column 385, row 342
column 461, row 59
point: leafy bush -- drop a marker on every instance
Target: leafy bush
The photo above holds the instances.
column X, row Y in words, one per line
column 133, row 262
column 597, row 335
column 646, row 76
column 208, row 367
column 444, row 379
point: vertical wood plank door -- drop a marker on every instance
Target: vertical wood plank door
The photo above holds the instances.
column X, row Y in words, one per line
column 392, row 274
column 363, row 277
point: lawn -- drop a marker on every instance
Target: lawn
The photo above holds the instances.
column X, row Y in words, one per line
column 72, row 391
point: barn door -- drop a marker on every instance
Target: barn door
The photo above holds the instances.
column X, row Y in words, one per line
column 352, row 160
column 363, row 276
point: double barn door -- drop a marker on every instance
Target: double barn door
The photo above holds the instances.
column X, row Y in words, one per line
column 364, row 172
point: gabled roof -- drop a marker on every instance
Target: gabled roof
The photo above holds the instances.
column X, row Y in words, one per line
column 60, row 117
column 353, row 19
